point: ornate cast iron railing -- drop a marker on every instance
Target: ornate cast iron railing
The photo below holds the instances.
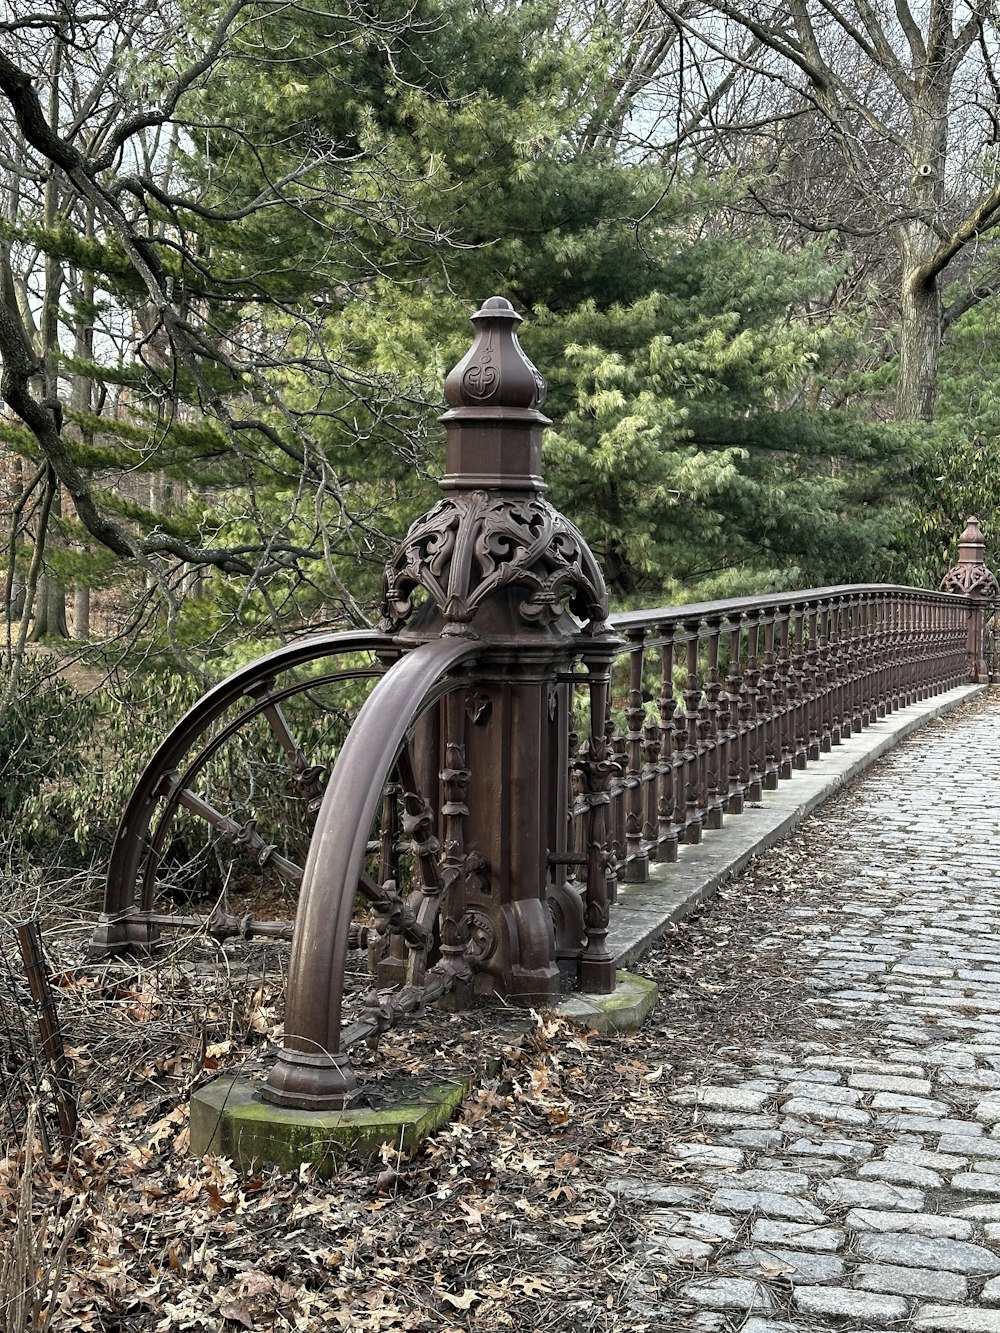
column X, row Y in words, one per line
column 500, row 754
column 718, row 703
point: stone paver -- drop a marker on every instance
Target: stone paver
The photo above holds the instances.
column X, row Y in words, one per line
column 954, row 1319
column 706, row 1154
column 844, row 1303
column 901, row 1173
column 957, row 1256
column 977, row 1182
column 727, row 1099
column 856, row 1164
column 767, row 1231
column 684, row 1250
column 729, row 1293
column 795, row 1265
column 921, row 1224
column 870, row 1194
column 766, row 1202
column 703, row 1226
column 943, row 1286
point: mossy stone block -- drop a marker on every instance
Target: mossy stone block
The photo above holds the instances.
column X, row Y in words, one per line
column 229, row 1118
column 624, row 1010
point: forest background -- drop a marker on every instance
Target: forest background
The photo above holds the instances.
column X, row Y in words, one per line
column 239, row 246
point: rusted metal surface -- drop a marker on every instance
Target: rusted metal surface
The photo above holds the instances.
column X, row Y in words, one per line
column 312, row 1070
column 522, row 753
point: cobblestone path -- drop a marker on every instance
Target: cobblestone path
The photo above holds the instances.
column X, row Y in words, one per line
column 852, row 1172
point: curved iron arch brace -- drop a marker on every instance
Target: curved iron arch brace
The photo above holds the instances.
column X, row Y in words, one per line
column 113, row 933
column 312, row 1073
column 184, row 779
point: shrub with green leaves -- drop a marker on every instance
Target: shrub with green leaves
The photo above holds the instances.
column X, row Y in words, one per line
column 42, row 730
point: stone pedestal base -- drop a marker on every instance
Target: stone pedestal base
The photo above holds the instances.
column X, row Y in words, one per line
column 624, row 1010
column 230, row 1119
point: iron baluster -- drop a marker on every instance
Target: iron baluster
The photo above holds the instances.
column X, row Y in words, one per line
column 713, row 739
column 825, row 678
column 636, row 857
column 813, row 686
column 734, row 722
column 798, row 699
column 692, row 739
column 754, row 742
column 668, row 830
column 650, row 775
column 783, row 697
column 597, row 968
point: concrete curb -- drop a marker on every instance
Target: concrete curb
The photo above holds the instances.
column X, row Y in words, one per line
column 646, row 911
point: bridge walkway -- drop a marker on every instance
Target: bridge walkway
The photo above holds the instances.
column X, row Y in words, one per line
column 846, row 1166
column 671, row 891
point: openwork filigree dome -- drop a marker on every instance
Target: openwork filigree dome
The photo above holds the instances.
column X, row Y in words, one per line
column 971, row 577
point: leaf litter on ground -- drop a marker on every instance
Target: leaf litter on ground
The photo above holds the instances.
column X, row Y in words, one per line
column 510, row 1218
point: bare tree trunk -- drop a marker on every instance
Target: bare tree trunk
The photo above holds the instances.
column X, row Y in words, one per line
column 50, row 605
column 50, row 612
column 15, row 601
column 81, row 613
column 17, row 645
column 919, row 327
column 82, row 400
column 921, row 311
column 50, row 600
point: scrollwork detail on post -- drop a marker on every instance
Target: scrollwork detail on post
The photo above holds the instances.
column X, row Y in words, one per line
column 971, row 577
column 971, row 581
column 473, row 544
column 481, row 938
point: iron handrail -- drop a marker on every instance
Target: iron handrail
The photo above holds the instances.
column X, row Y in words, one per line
column 713, row 703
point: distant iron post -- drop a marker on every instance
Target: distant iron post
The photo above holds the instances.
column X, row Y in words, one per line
column 972, row 578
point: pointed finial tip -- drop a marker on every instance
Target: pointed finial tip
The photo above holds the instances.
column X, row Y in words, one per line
column 498, row 305
column 495, row 373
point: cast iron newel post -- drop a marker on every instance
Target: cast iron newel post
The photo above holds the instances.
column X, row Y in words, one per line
column 494, row 580
column 971, row 578
column 495, row 562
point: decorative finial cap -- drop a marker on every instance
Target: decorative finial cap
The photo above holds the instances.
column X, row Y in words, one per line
column 971, row 577
column 495, row 373
column 495, row 559
column 971, row 544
